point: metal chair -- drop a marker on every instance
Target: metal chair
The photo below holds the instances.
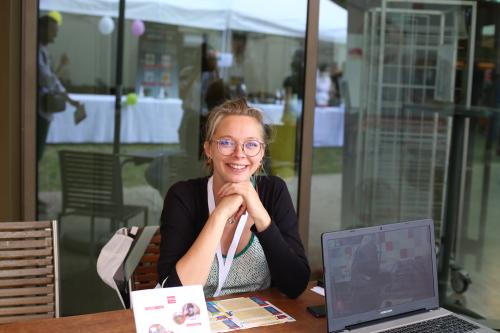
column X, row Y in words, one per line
column 29, row 271
column 92, row 186
column 137, row 269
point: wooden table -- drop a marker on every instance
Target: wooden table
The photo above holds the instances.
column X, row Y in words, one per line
column 122, row 321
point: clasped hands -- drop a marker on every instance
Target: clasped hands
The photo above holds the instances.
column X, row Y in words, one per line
column 234, row 199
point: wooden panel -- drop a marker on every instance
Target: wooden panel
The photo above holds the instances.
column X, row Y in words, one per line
column 141, row 270
column 25, row 234
column 25, row 225
column 27, row 274
column 150, row 258
column 27, row 300
column 26, row 282
column 27, row 291
column 145, row 275
column 150, row 255
column 10, row 95
column 11, row 319
column 145, row 278
column 29, row 66
column 7, row 311
column 144, row 285
column 26, row 253
column 8, row 273
column 26, row 262
column 26, row 244
column 156, row 238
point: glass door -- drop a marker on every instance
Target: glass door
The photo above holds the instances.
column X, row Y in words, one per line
column 136, row 87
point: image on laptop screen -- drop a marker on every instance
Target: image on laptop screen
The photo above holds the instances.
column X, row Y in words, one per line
column 378, row 269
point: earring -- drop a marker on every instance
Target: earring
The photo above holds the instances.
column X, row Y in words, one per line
column 261, row 170
column 253, row 180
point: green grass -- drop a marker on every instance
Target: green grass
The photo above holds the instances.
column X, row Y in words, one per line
column 325, row 161
column 49, row 178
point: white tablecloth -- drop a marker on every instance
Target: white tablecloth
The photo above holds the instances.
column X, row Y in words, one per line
column 272, row 112
column 154, row 120
column 151, row 120
column 328, row 123
column 328, row 127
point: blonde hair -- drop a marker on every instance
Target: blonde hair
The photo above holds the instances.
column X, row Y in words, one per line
column 235, row 107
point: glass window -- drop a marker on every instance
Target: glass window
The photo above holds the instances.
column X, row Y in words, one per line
column 329, row 125
column 76, row 82
column 409, row 71
column 120, row 119
column 132, row 110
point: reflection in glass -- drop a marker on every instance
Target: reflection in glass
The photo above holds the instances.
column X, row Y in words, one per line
column 176, row 67
column 381, row 270
column 402, row 59
column 332, row 101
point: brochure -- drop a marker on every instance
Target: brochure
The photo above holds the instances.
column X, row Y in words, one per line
column 244, row 312
column 168, row 310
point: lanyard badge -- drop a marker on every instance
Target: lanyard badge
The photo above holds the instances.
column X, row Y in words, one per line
column 225, row 265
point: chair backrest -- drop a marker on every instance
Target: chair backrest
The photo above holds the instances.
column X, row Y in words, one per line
column 145, row 275
column 29, row 270
column 135, row 269
column 90, row 180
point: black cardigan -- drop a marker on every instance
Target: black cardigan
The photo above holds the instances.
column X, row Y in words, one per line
column 185, row 212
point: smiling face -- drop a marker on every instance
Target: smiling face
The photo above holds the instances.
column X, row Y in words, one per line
column 236, row 167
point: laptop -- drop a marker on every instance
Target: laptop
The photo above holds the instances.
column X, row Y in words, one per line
column 384, row 278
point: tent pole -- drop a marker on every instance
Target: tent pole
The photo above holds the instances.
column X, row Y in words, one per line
column 118, row 84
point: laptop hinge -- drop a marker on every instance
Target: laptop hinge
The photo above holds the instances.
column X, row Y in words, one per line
column 385, row 319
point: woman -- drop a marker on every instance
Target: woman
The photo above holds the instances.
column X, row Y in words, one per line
column 233, row 231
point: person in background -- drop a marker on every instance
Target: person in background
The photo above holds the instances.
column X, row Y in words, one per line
column 335, row 76
column 213, row 90
column 237, row 86
column 234, row 231
column 209, row 75
column 365, row 271
column 189, row 92
column 324, row 86
column 294, row 83
column 176, row 164
column 48, row 82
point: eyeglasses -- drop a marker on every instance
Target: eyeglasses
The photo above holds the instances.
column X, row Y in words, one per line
column 227, row 146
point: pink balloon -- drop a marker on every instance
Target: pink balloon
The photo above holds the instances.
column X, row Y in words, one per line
column 138, row 28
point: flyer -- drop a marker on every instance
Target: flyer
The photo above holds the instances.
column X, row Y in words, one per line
column 244, row 312
column 169, row 310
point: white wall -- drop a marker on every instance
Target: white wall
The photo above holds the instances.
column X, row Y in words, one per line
column 92, row 55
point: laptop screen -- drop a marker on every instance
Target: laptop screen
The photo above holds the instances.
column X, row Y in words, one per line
column 377, row 272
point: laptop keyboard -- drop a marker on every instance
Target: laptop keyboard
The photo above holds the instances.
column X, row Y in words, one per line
column 446, row 324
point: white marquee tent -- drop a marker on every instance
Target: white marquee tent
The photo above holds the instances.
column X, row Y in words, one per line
column 276, row 17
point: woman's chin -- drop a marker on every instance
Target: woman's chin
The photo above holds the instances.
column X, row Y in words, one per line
column 237, row 178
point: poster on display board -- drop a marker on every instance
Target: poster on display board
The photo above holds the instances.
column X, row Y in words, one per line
column 157, row 70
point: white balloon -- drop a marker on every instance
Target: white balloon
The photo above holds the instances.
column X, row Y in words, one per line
column 106, row 25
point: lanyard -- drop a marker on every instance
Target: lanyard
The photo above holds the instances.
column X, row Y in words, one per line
column 225, row 266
